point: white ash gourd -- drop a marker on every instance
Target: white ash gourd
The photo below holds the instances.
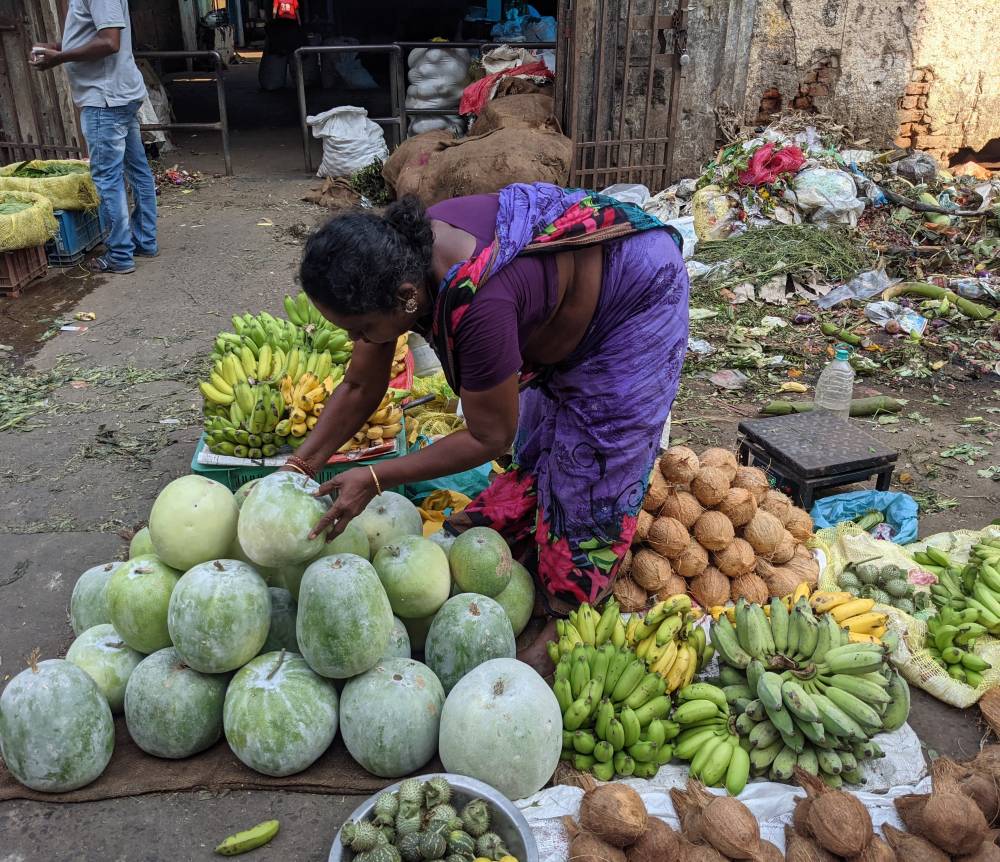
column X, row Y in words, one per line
column 716, row 529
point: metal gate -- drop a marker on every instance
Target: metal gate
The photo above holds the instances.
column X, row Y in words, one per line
column 620, row 67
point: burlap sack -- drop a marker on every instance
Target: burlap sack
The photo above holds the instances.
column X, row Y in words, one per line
column 29, row 227
column 533, row 111
column 72, row 191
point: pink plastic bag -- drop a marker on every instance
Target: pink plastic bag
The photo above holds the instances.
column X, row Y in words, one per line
column 767, row 164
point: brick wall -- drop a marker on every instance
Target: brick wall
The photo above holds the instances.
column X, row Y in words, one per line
column 915, row 120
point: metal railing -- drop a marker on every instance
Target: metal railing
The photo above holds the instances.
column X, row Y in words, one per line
column 397, row 81
column 222, row 124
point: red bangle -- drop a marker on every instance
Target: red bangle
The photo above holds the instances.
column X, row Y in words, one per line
column 296, row 463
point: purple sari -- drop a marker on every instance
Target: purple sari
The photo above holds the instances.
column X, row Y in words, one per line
column 589, row 426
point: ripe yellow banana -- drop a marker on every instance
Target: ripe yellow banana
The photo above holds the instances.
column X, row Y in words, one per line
column 861, row 638
column 801, row 592
column 214, row 395
column 823, row 602
column 864, row 623
column 667, row 657
column 678, row 670
column 311, row 422
column 299, row 429
column 852, row 609
column 220, row 382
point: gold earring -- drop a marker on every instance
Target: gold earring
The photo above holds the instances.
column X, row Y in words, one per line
column 411, row 306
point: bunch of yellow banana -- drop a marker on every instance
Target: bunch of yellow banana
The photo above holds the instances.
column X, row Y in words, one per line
column 399, row 357
column 864, row 624
column 305, row 399
column 789, row 601
column 382, row 426
column 669, row 642
column 249, row 428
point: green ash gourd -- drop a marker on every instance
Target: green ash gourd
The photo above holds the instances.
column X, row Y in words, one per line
column 501, row 724
column 138, row 597
column 88, row 605
column 281, row 633
column 107, row 660
column 518, row 597
column 171, row 710
column 285, row 577
column 481, row 562
column 389, row 717
column 279, row 715
column 415, row 574
column 389, row 516
column 354, row 540
column 141, row 544
column 344, row 619
column 192, row 520
column 277, row 517
column 219, row 616
column 56, row 729
column 399, row 641
column 417, row 631
column 468, row 630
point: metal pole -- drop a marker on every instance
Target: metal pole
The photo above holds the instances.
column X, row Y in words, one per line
column 220, row 91
column 300, row 88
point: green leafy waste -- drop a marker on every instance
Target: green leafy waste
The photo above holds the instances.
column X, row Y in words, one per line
column 41, row 170
column 369, row 182
column 10, row 207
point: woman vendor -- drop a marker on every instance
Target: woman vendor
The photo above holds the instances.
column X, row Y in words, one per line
column 561, row 319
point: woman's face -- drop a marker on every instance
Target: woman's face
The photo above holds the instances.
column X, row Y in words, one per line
column 375, row 327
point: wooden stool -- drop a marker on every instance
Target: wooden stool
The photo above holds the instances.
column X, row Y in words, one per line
column 814, row 450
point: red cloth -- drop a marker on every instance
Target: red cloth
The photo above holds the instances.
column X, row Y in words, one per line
column 288, row 9
column 479, row 92
column 767, row 164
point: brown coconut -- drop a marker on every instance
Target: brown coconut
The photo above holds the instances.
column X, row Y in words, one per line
column 987, row 852
column 676, row 586
column 799, row 524
column 979, row 786
column 668, row 536
column 738, row 559
column 711, row 588
column 749, row 587
column 777, row 504
column 739, row 506
column 989, row 706
column 698, row 852
column 615, row 813
column 657, row 492
column 754, row 480
column 947, row 818
column 692, row 561
column 988, row 759
column 714, row 531
column 779, row 579
column 586, row 847
column 626, row 564
column 726, row 823
column 838, row 821
column 912, row 848
column 764, row 533
column 649, row 570
column 804, row 565
column 722, row 459
column 786, row 548
column 769, row 852
column 876, row 851
column 710, row 486
column 659, row 843
column 629, row 595
column 679, row 465
column 683, row 507
column 800, row 848
column 643, row 521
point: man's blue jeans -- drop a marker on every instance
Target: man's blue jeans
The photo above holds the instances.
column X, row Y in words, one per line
column 116, row 155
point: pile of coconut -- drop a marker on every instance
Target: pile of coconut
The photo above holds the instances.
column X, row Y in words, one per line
column 716, row 530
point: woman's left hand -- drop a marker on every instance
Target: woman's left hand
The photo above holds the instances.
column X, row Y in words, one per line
column 352, row 491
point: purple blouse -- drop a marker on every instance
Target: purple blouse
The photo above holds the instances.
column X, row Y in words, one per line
column 513, row 302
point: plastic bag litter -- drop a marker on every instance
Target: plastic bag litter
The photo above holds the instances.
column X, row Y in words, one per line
column 917, row 168
column 350, row 140
column 826, row 195
column 628, row 193
column 714, row 214
column 865, row 285
column 900, row 510
column 893, row 318
column 685, row 227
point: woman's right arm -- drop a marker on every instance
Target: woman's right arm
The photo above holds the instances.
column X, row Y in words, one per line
column 351, row 403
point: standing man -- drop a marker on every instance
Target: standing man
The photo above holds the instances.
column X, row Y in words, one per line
column 108, row 88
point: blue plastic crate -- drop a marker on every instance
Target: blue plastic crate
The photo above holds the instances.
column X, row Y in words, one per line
column 78, row 233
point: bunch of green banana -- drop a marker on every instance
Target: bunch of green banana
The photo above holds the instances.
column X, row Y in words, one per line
column 614, row 712
column 974, row 586
column 801, row 686
column 249, row 429
column 264, row 328
column 708, row 738
column 322, row 334
column 951, row 636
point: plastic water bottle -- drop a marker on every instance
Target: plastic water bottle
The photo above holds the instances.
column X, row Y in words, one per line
column 835, row 386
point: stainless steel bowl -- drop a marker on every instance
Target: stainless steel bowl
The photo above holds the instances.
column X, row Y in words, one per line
column 505, row 818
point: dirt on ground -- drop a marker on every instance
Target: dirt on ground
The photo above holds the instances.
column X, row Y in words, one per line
column 95, row 420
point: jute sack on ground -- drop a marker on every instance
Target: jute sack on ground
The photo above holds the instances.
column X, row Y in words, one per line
column 485, row 164
column 68, row 191
column 526, row 111
column 29, row 226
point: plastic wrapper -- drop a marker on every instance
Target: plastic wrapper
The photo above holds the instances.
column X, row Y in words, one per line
column 863, row 286
column 826, row 196
column 714, row 214
column 892, row 317
column 900, row 510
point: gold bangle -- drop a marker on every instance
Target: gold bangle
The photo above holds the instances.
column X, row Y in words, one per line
column 296, row 468
column 378, row 487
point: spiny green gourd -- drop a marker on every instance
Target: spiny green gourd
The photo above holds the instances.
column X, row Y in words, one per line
column 441, row 813
column 432, row 845
column 490, row 846
column 409, row 847
column 476, row 818
column 366, row 836
column 347, row 833
column 437, row 791
column 407, row 825
column 386, row 808
column 411, row 791
column 381, row 853
column 461, row 843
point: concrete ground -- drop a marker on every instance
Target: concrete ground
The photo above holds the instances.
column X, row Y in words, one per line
column 110, row 414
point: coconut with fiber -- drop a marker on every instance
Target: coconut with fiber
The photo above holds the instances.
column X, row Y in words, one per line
column 721, row 459
column 679, row 465
column 668, row 536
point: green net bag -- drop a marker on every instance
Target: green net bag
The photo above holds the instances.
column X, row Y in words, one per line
column 26, row 220
column 65, row 182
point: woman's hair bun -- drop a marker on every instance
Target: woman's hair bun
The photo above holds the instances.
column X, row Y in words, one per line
column 408, row 218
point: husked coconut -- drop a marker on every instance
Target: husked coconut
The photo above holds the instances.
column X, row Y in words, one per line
column 710, row 486
column 754, row 480
column 679, row 465
column 714, row 531
column 739, row 505
column 683, row 507
column 649, row 570
column 721, row 459
column 668, row 536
